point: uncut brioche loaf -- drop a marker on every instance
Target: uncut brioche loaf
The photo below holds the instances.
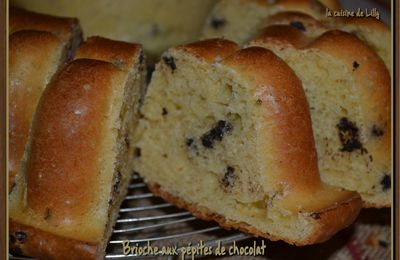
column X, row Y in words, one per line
column 157, row 24
column 39, row 45
column 348, row 88
column 371, row 31
column 76, row 167
column 226, row 134
column 239, row 20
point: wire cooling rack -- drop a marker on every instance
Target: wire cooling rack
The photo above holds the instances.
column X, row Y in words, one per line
column 145, row 218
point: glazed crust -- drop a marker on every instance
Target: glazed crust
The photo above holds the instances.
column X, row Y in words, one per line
column 326, row 222
column 121, row 54
column 46, row 245
column 62, row 27
column 26, row 86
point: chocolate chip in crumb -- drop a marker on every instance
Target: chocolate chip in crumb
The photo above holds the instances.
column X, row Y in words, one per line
column 170, row 62
column 386, row 182
column 316, row 215
column 189, row 141
column 21, row 236
column 229, row 177
column 165, row 155
column 355, row 65
column 376, row 131
column 371, row 159
column 258, row 101
column 298, row 25
column 383, row 243
column 164, row 111
column 138, row 152
column 216, row 133
column 349, row 136
column 217, row 23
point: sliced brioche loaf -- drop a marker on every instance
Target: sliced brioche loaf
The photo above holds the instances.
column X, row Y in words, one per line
column 76, row 167
column 226, row 134
column 348, row 88
column 370, row 30
column 240, row 20
column 39, row 45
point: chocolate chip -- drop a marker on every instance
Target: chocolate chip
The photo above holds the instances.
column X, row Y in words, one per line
column 371, row 158
column 165, row 155
column 355, row 65
column 229, row 177
column 138, row 152
column 170, row 62
column 316, row 215
column 164, row 111
column 216, row 133
column 298, row 25
column 348, row 134
column 259, row 101
column 21, row 236
column 150, row 69
column 383, row 243
column 386, row 182
column 217, row 23
column 189, row 141
column 376, row 131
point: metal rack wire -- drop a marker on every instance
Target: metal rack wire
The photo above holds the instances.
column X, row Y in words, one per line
column 145, row 218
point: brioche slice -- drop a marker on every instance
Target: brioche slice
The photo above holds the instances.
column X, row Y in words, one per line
column 76, row 167
column 35, row 54
column 226, row 134
column 370, row 30
column 348, row 88
column 239, row 20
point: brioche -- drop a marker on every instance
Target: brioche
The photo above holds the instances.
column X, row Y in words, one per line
column 76, row 167
column 348, row 89
column 157, row 24
column 370, row 30
column 38, row 46
column 239, row 20
column 226, row 134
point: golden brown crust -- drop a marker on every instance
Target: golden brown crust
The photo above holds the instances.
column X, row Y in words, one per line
column 66, row 124
column 26, row 240
column 327, row 222
column 62, row 27
column 210, row 50
column 121, row 54
column 26, row 85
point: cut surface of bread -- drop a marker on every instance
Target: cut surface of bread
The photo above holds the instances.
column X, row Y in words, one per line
column 226, row 134
column 240, row 20
column 371, row 31
column 348, row 88
column 35, row 54
column 156, row 24
column 76, row 168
